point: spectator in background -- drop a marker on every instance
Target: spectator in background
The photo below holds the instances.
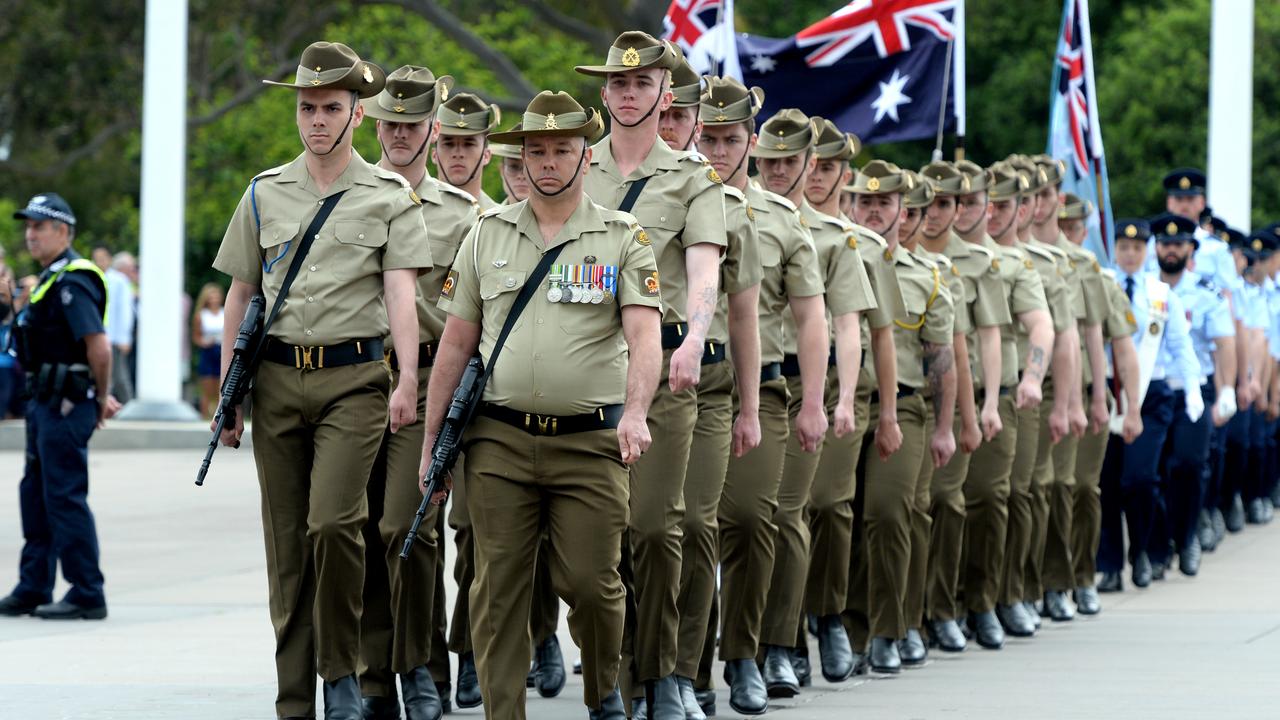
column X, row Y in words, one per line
column 206, row 333
column 10, row 372
column 25, row 287
column 101, row 257
column 121, row 317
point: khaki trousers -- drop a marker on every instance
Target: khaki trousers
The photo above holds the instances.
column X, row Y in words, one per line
column 703, row 486
column 830, row 508
column 747, row 509
column 1086, row 507
column 577, row 485
column 785, row 585
column 316, row 434
column 1041, row 479
column 986, row 498
column 1022, row 501
column 1057, row 566
column 876, row 606
column 395, row 632
column 946, row 534
column 652, row 573
column 921, row 529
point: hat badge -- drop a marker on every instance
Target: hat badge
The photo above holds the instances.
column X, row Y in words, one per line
column 368, row 74
column 630, row 58
column 444, row 92
column 1185, row 183
column 1131, row 231
column 873, row 184
column 964, row 183
column 550, row 123
column 399, row 106
column 1257, row 245
column 1171, row 229
column 316, row 80
column 721, row 117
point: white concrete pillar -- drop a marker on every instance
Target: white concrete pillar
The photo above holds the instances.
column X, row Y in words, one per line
column 1230, row 167
column 164, row 140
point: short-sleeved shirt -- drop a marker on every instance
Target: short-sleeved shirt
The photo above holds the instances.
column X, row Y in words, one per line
column 682, row 205
column 1085, row 265
column 844, row 276
column 962, row 320
column 740, row 263
column 338, row 294
column 789, row 266
column 928, row 317
column 981, row 301
column 1208, row 314
column 560, row 358
column 1063, row 307
column 1073, row 283
column 1025, row 293
column 485, row 202
column 450, row 213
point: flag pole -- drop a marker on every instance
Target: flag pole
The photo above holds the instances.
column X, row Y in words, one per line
column 720, row 20
column 959, row 80
column 942, row 106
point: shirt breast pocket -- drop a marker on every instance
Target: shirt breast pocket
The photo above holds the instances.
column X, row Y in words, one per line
column 360, row 245
column 662, row 221
column 498, row 290
column 586, row 319
column 276, row 240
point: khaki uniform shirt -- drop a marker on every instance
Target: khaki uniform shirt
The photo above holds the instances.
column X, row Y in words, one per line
column 1025, row 293
column 560, row 358
column 789, row 264
column 682, row 205
column 485, row 202
column 740, row 263
column 1093, row 286
column 929, row 316
column 450, row 213
column 1056, row 293
column 337, row 295
column 986, row 304
column 1072, row 281
column 848, row 288
column 1120, row 321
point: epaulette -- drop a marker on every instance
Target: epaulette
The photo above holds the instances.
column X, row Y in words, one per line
column 1110, row 273
column 446, row 187
column 734, row 192
column 870, row 235
column 394, row 177
column 1058, row 253
column 1041, row 252
column 269, row 173
column 695, row 156
column 777, row 199
column 982, row 250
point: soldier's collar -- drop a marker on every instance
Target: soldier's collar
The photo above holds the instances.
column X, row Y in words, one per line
column 358, row 171
column 585, row 218
column 428, row 190
column 660, row 157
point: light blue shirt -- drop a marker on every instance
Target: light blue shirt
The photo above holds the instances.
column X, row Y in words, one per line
column 1176, row 357
column 1272, row 290
column 1251, row 307
column 1208, row 314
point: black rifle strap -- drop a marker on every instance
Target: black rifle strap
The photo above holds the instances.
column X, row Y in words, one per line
column 633, row 194
column 299, row 255
column 517, row 307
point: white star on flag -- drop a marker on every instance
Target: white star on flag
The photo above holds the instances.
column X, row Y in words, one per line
column 891, row 96
column 763, row 63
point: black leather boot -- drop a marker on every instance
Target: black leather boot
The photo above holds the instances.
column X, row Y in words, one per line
column 342, row 699
column 833, row 649
column 884, row 656
column 548, row 674
column 747, row 693
column 468, row 694
column 779, row 674
column 421, row 701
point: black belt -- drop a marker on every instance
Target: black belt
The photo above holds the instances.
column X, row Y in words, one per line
column 712, row 353
column 903, row 391
column 601, row 418
column 770, row 371
column 426, row 356
column 59, row 381
column 673, row 335
column 791, row 363
column 979, row 393
column 316, row 357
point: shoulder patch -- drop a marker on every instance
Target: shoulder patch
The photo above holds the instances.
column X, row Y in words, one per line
column 1096, row 266
column 641, row 237
column 714, row 176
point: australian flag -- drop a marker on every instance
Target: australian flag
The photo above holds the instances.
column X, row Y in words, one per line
column 874, row 67
column 1075, row 137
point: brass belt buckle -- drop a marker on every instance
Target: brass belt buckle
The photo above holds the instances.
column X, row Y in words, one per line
column 303, row 360
column 547, row 425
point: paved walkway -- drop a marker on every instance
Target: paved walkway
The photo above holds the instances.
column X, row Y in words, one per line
column 189, row 636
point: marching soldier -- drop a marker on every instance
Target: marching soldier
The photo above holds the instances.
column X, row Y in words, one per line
column 981, row 310
column 677, row 198
column 877, row 607
column 515, row 183
column 679, row 125
column 463, row 124
column 789, row 279
column 563, row 412
column 401, row 597
column 321, row 395
column 1023, row 367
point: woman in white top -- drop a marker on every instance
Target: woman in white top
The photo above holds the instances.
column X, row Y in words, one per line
column 206, row 334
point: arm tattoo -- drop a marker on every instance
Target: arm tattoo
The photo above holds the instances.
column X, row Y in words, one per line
column 938, row 360
column 1035, row 363
column 700, row 320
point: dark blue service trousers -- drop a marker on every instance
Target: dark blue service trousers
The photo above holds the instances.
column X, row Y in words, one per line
column 1235, row 461
column 1183, row 480
column 56, row 522
column 1130, row 474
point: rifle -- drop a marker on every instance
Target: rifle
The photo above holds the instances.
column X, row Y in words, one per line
column 444, row 452
column 239, row 379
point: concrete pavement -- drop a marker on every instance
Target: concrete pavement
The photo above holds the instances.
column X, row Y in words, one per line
column 189, row 636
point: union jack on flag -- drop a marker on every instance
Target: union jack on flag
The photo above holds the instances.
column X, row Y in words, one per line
column 884, row 21
column 704, row 30
column 1075, row 137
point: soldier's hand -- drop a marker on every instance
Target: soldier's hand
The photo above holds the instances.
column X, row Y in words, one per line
column 844, row 420
column 107, row 409
column 231, row 435
column 633, row 437
column 1244, row 394
column 1028, row 394
column 992, row 425
column 1059, row 425
column 1077, row 422
column 1099, row 414
column 404, row 406
column 970, row 437
column 686, row 367
column 1132, row 427
column 811, row 426
column 746, row 433
column 942, row 446
column 888, row 437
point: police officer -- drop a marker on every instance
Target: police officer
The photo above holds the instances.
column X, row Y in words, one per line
column 681, row 208
column 790, row 278
column 981, row 310
column 563, row 412
column 322, row 391
column 463, row 124
column 1186, row 451
column 401, row 598
column 1130, row 472
column 877, row 607
column 60, row 340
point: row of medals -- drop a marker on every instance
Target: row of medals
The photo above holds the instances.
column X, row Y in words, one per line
column 591, row 293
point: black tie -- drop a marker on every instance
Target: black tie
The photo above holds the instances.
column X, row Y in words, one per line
column 1128, row 287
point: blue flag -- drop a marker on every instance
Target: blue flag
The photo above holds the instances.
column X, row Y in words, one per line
column 877, row 68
